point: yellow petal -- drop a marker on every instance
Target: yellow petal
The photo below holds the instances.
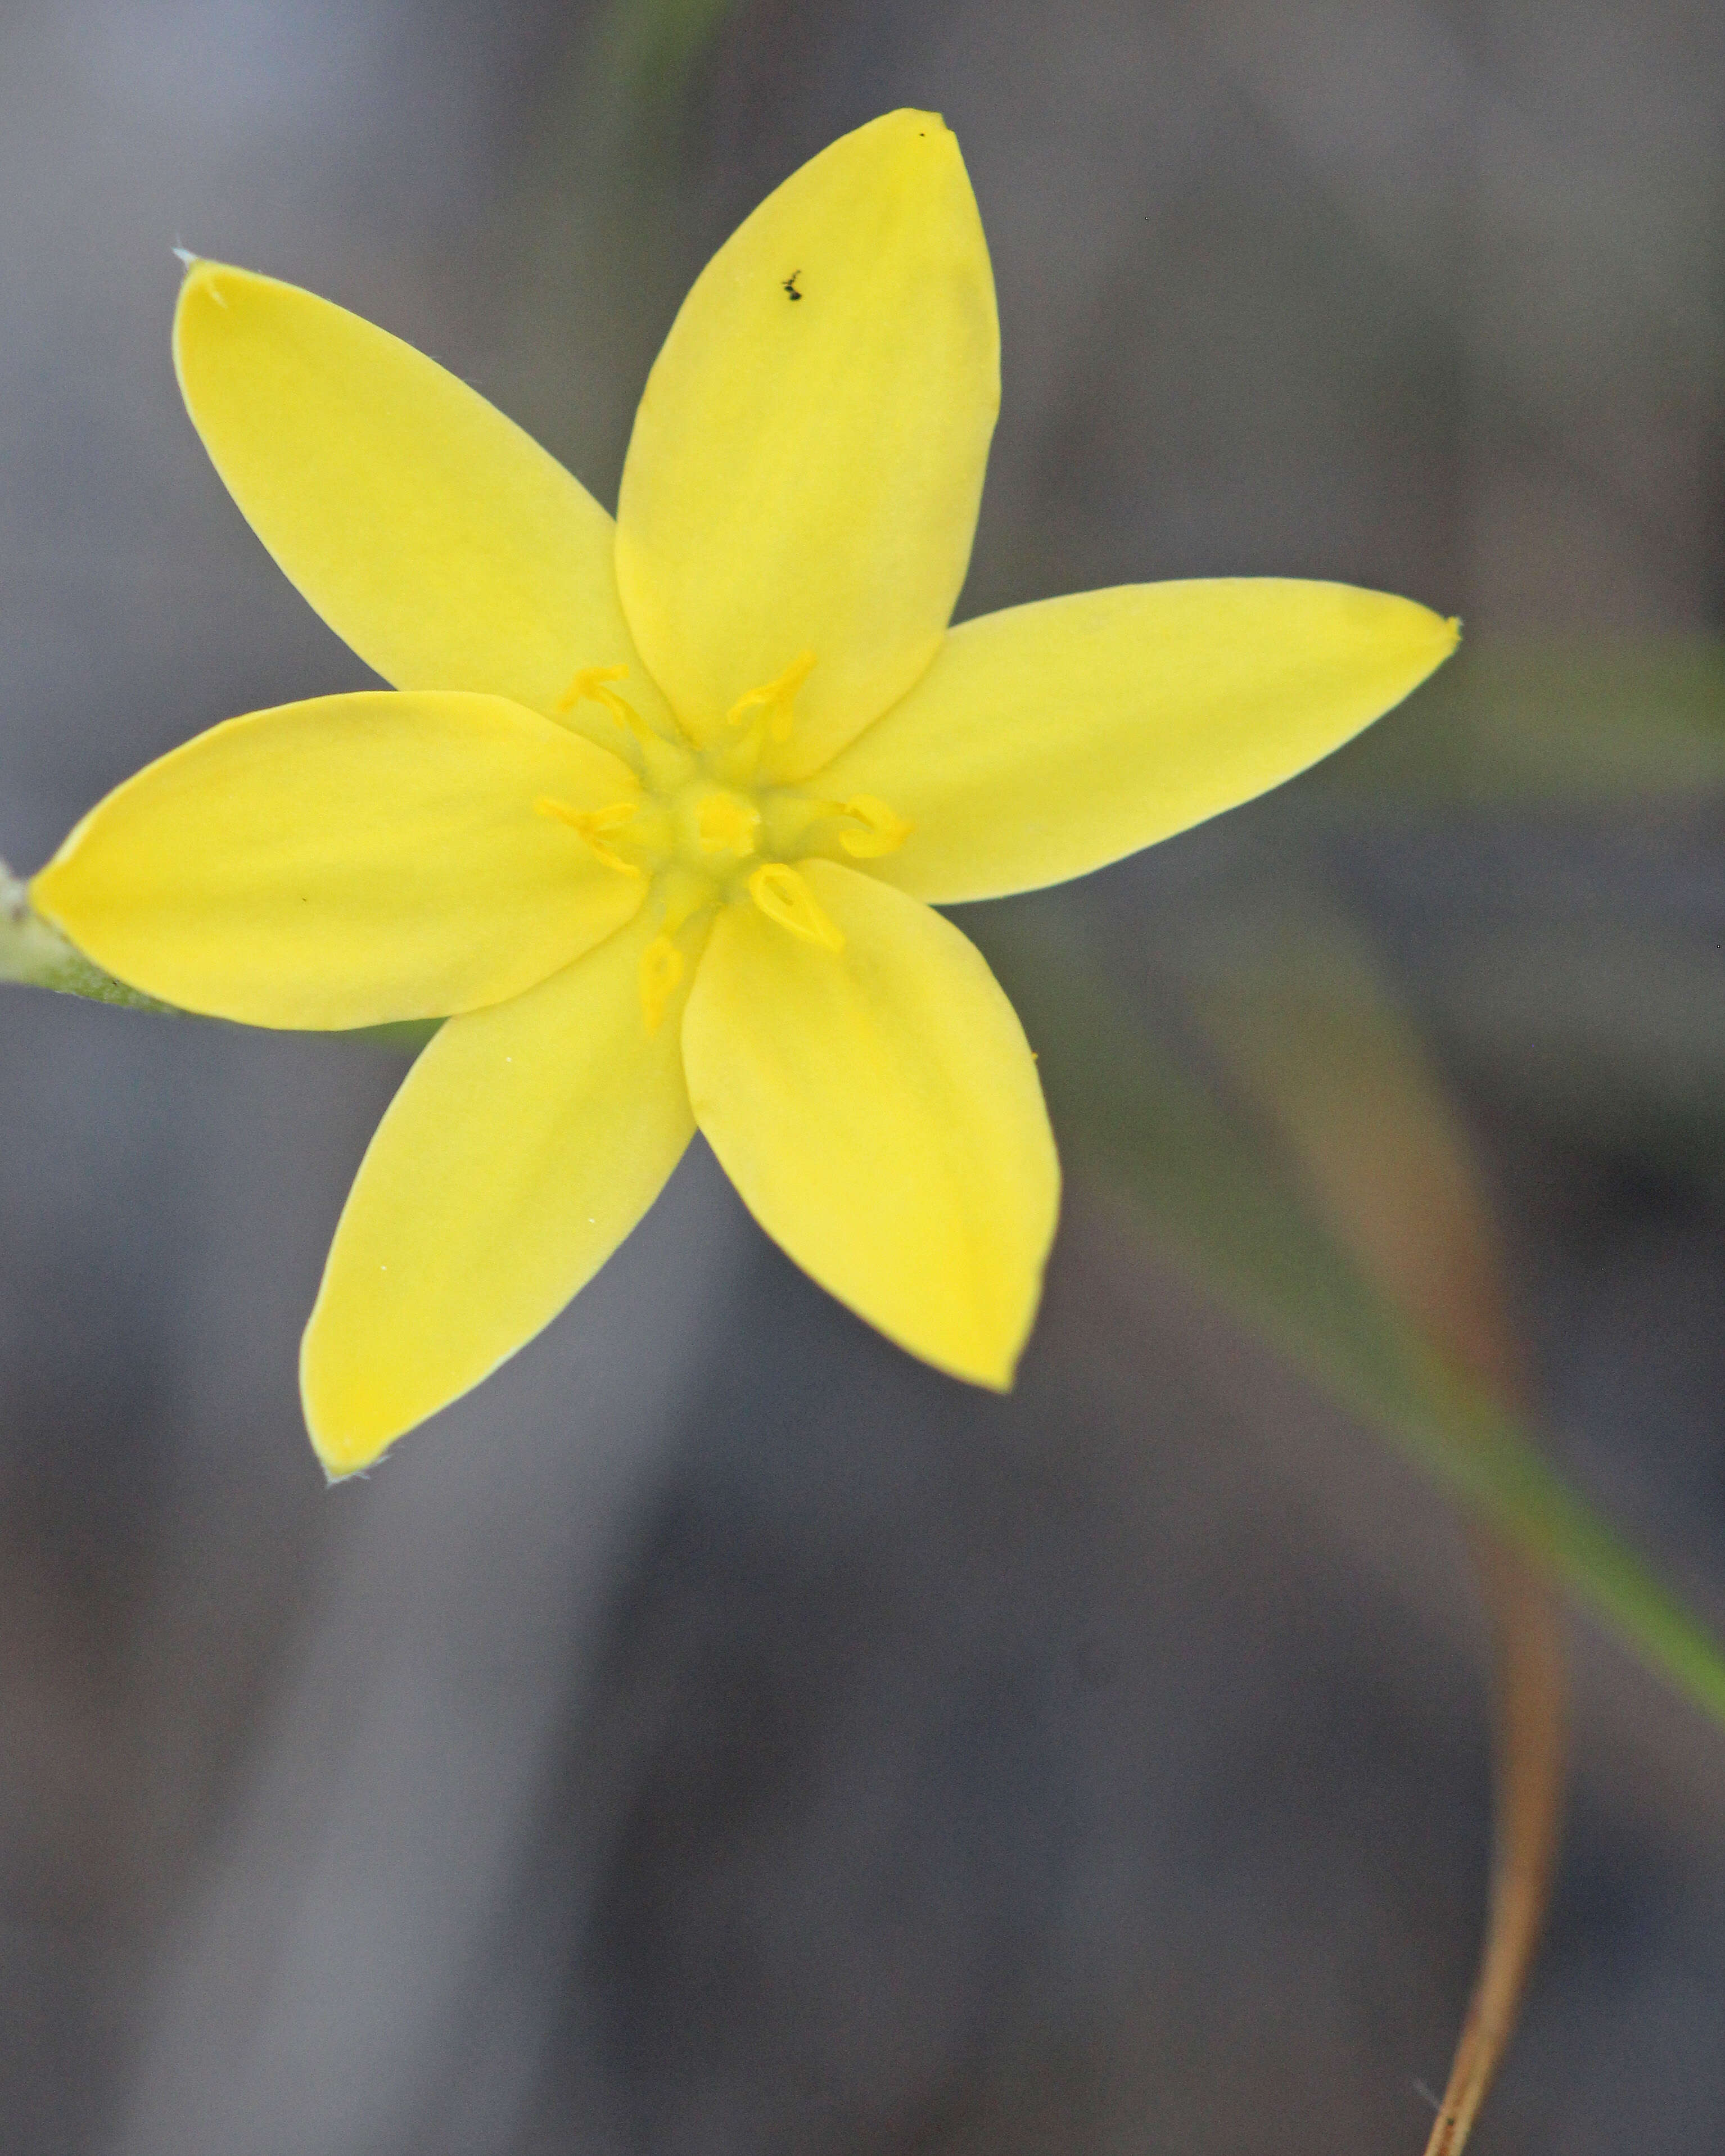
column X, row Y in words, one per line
column 1048, row 740
column 447, row 547
column 879, row 1112
column 523, row 1146
column 346, row 861
column 808, row 455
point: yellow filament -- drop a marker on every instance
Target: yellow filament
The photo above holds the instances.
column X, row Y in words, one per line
column 727, row 825
column 783, row 896
column 777, row 699
column 595, row 825
column 661, row 969
column 883, row 831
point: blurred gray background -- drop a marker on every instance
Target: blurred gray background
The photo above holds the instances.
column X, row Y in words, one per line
column 720, row 1734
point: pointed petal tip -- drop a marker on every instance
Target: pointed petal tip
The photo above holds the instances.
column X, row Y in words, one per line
column 347, row 1445
column 346, row 1450
column 899, row 133
column 202, row 274
column 995, row 1369
column 1443, row 634
column 912, row 119
column 202, row 287
column 984, row 1349
column 335, row 1476
column 210, row 284
column 989, row 1369
column 1420, row 630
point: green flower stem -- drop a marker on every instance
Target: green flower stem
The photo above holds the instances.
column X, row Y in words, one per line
column 34, row 952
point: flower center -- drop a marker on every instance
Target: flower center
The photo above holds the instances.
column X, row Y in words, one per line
column 706, row 835
column 727, row 823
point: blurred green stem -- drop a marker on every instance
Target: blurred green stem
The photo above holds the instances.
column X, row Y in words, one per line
column 1128, row 1110
column 34, row 952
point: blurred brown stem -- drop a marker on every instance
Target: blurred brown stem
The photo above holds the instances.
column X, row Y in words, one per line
column 1325, row 1057
column 1530, row 1749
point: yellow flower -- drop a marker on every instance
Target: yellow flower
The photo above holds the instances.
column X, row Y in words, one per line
column 657, row 811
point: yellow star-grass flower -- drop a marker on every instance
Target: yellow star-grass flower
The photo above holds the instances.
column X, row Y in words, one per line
column 657, row 812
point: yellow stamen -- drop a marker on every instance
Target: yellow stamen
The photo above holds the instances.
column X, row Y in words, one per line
column 595, row 825
column 661, row 969
column 777, row 699
column 883, row 831
column 592, row 684
column 783, row 896
column 588, row 683
column 727, row 825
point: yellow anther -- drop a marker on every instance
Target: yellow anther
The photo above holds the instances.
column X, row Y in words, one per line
column 592, row 684
column 726, row 825
column 883, row 831
column 661, row 969
column 777, row 699
column 588, row 683
column 595, row 825
column 783, row 896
